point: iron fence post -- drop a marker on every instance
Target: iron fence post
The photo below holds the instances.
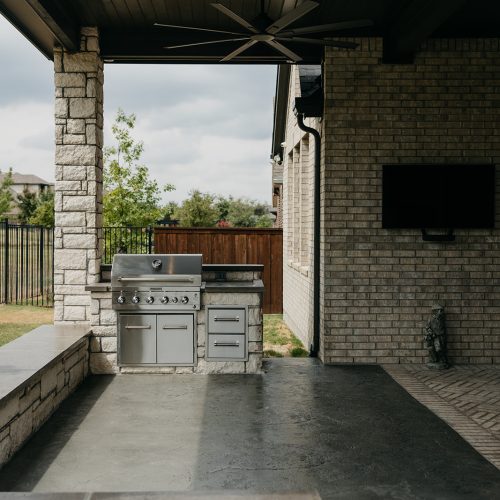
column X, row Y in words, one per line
column 150, row 239
column 40, row 270
column 6, row 262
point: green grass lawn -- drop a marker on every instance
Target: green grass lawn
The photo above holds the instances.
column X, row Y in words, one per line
column 279, row 341
column 18, row 320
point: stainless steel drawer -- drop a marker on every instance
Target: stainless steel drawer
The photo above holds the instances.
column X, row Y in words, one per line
column 137, row 339
column 175, row 339
column 230, row 320
column 226, row 347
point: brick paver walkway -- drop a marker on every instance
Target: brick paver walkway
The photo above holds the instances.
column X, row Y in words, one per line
column 466, row 397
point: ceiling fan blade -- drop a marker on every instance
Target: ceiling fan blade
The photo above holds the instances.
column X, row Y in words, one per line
column 316, row 41
column 292, row 16
column 205, row 43
column 235, row 17
column 287, row 52
column 239, row 50
column 198, row 29
column 359, row 23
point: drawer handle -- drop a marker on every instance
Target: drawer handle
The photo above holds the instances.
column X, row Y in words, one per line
column 175, row 327
column 226, row 344
column 138, row 327
column 235, row 318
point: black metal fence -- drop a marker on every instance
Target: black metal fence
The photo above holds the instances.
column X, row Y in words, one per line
column 126, row 240
column 27, row 258
column 26, row 264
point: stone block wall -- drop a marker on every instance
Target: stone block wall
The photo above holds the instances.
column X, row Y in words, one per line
column 103, row 342
column 378, row 285
column 23, row 412
column 78, row 186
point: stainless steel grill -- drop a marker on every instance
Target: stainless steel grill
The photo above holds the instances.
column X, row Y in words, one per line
column 156, row 282
column 156, row 297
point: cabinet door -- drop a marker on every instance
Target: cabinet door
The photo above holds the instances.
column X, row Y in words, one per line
column 137, row 339
column 175, row 339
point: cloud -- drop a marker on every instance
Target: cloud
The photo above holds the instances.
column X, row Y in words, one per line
column 26, row 73
column 27, row 139
column 224, row 166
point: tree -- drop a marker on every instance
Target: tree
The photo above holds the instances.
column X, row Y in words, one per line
column 131, row 198
column 5, row 193
column 44, row 212
column 241, row 212
column 198, row 210
column 208, row 210
column 27, row 202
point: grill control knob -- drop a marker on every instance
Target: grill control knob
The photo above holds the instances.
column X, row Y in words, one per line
column 135, row 299
column 121, row 299
column 150, row 300
column 175, row 300
column 185, row 300
column 164, row 300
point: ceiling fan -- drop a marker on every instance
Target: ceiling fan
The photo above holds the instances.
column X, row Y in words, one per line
column 264, row 29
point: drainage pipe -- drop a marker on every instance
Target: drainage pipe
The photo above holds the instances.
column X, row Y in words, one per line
column 314, row 350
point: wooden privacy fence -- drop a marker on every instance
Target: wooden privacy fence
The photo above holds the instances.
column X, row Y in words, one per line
column 232, row 246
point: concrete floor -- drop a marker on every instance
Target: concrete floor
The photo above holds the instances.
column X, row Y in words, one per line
column 345, row 432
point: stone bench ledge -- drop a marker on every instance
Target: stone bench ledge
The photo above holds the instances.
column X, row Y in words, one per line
column 25, row 358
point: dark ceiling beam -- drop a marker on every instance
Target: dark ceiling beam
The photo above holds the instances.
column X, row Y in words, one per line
column 414, row 25
column 59, row 20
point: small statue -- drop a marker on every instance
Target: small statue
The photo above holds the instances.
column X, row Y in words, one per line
column 435, row 339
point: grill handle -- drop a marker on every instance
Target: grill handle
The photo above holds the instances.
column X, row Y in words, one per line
column 174, row 327
column 235, row 318
column 138, row 327
column 154, row 277
column 226, row 344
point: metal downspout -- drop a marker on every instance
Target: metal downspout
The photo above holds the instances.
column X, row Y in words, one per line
column 314, row 350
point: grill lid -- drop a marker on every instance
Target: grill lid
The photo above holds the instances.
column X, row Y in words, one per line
column 157, row 270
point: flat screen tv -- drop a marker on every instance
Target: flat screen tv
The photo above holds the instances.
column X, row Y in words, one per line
column 438, row 196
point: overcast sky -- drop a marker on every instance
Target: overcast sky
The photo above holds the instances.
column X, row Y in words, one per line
column 206, row 127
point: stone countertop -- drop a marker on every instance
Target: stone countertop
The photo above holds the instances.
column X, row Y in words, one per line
column 234, row 286
column 238, row 268
column 23, row 358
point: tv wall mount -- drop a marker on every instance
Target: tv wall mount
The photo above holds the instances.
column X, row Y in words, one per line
column 438, row 237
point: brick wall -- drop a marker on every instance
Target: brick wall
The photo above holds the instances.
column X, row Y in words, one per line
column 298, row 193
column 378, row 285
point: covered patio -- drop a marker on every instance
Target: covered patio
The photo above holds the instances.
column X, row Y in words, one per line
column 336, row 432
column 300, row 427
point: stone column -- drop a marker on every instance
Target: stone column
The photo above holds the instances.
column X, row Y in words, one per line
column 78, row 187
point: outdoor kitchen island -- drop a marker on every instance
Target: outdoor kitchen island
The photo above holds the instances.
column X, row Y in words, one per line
column 183, row 323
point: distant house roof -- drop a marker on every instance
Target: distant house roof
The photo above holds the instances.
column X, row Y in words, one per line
column 26, row 179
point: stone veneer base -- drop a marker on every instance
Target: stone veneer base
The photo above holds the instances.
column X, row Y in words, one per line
column 103, row 343
column 44, row 367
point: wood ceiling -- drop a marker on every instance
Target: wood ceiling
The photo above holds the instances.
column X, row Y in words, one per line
column 128, row 33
